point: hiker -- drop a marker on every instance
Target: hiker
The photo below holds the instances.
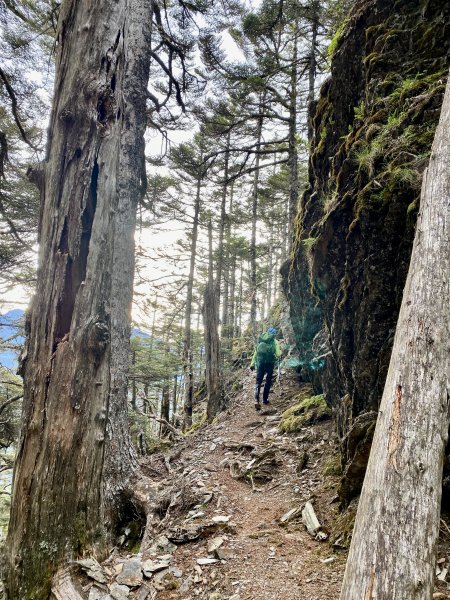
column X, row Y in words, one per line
column 266, row 354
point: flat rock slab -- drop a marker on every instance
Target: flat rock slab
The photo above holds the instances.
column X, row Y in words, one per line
column 291, row 515
column 131, row 574
column 119, row 592
column 215, row 544
column 92, row 569
column 96, row 593
column 150, row 567
column 207, row 561
column 220, row 519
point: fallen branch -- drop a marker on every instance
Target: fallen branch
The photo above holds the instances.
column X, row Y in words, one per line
column 170, row 427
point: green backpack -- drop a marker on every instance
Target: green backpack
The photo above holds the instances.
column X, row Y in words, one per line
column 265, row 350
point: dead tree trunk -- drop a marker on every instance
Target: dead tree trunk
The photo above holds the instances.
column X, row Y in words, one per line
column 392, row 555
column 74, row 455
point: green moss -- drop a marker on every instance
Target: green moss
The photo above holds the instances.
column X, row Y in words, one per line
column 359, row 111
column 336, row 39
column 306, row 412
column 366, row 154
column 308, row 243
column 412, row 207
column 371, row 58
column 395, row 119
column 343, row 529
column 333, row 467
column 411, row 86
column 198, row 421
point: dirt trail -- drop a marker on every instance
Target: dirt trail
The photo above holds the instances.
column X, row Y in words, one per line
column 262, row 559
column 214, row 504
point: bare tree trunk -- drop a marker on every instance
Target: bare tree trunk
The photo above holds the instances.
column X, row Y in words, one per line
column 222, row 224
column 253, row 281
column 212, row 340
column 392, row 555
column 315, row 9
column 174, row 399
column 270, row 268
column 133, row 383
column 145, row 406
column 165, row 408
column 74, row 455
column 292, row 145
column 231, row 331
column 240, row 300
column 188, row 366
column 225, row 329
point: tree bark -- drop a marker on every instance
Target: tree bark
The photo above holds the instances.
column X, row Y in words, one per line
column 231, row 327
column 315, row 10
column 74, row 455
column 188, row 366
column 227, row 275
column 222, row 224
column 212, row 341
column 253, row 277
column 165, row 408
column 292, row 145
column 392, row 555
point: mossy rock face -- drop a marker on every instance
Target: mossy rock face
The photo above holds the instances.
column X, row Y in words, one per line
column 199, row 420
column 306, row 412
column 341, row 534
column 374, row 123
column 333, row 467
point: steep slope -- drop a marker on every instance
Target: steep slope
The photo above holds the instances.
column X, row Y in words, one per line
column 374, row 123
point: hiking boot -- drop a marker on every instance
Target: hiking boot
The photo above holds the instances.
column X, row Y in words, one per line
column 266, row 402
column 257, row 405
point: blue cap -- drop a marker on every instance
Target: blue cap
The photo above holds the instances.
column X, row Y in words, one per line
column 272, row 331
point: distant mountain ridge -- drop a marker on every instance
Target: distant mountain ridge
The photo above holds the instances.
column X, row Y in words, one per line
column 11, row 334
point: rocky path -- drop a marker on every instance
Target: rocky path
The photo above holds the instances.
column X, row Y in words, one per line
column 264, row 559
column 227, row 513
column 230, row 524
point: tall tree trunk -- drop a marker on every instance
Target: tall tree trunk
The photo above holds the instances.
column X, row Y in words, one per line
column 392, row 555
column 226, row 277
column 212, row 341
column 188, row 366
column 165, row 407
column 222, row 224
column 133, row 383
column 292, row 144
column 232, row 295
column 253, row 279
column 175, row 399
column 145, row 401
column 315, row 9
column 271, row 267
column 74, row 456
column 240, row 301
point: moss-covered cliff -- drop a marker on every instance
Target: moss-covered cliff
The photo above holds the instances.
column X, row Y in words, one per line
column 374, row 123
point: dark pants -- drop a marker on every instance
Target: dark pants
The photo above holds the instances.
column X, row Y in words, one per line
column 262, row 370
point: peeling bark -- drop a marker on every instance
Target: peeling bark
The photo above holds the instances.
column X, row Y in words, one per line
column 392, row 555
column 74, row 455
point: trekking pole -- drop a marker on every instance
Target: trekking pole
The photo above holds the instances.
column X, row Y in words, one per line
column 279, row 373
